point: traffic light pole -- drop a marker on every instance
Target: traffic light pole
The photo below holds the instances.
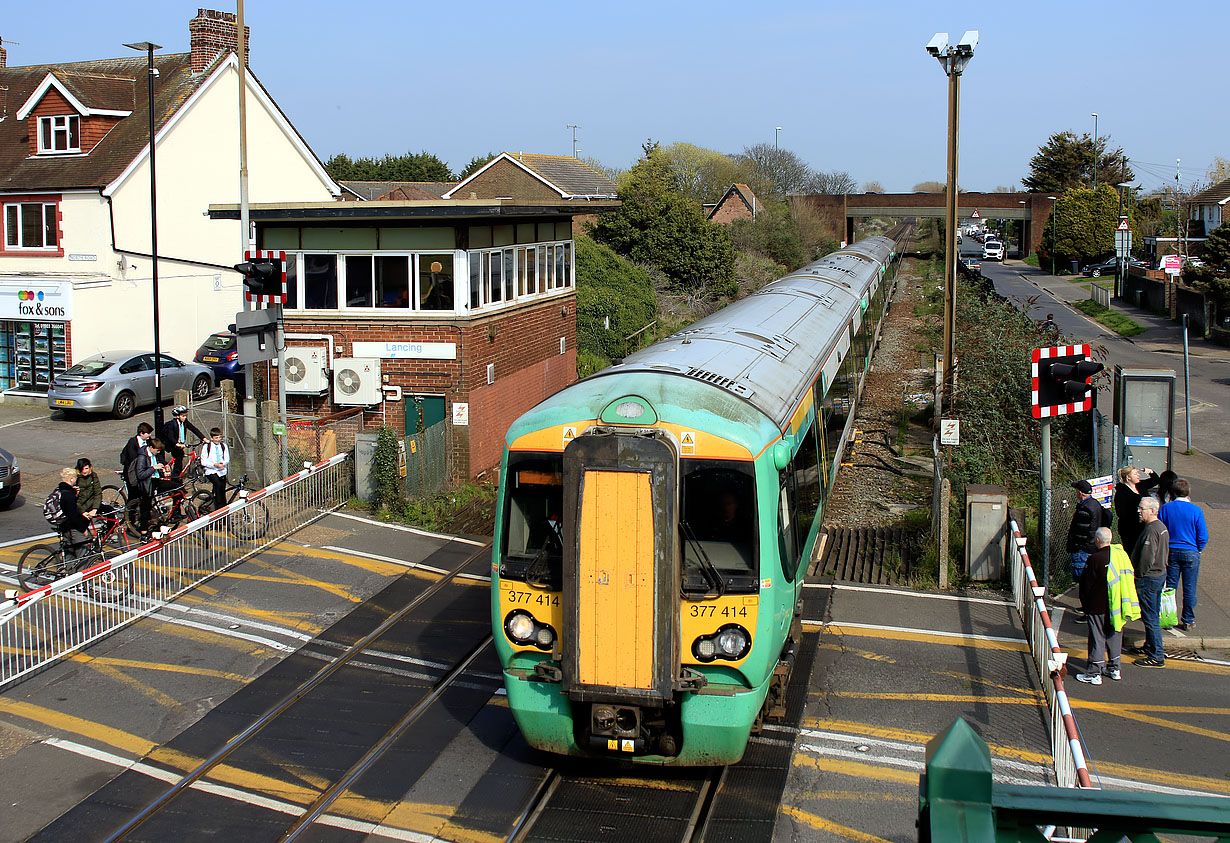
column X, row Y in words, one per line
column 1044, row 503
column 280, row 339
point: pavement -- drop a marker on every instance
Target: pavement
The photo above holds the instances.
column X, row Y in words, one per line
column 1209, row 476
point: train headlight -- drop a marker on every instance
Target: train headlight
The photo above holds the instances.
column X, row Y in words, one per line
column 545, row 637
column 520, row 627
column 731, row 642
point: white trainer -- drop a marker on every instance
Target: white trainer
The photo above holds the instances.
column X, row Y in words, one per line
column 1115, row 674
column 1091, row 678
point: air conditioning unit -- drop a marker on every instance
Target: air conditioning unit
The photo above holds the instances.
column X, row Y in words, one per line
column 305, row 370
column 356, row 380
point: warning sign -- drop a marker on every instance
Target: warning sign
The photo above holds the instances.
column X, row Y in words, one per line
column 1123, row 226
column 570, row 433
column 978, row 216
column 687, row 442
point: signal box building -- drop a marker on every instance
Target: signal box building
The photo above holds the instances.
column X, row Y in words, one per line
column 458, row 310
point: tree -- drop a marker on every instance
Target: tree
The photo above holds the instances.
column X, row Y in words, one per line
column 931, row 187
column 659, row 226
column 772, row 233
column 476, row 164
column 615, row 298
column 612, row 173
column 1213, row 279
column 1004, row 188
column 1218, row 171
column 834, row 183
column 1082, row 226
column 1066, row 161
column 700, row 174
column 873, row 186
column 774, row 170
column 413, row 166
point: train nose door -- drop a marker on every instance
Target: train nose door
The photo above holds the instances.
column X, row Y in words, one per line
column 621, row 583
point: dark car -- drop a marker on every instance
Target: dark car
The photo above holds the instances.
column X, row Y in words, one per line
column 1110, row 267
column 218, row 353
column 10, row 479
column 971, row 267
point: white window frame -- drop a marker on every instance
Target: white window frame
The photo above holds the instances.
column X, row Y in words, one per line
column 60, row 124
column 546, row 283
column 48, row 208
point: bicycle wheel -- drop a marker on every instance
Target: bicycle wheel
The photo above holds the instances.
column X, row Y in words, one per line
column 114, row 497
column 109, row 586
column 249, row 523
column 39, row 565
column 194, row 473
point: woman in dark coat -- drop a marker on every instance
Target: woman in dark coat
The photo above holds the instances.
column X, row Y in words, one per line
column 1165, row 487
column 89, row 489
column 1128, row 492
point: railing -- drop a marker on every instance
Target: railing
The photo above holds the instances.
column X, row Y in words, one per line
column 1100, row 295
column 50, row 622
column 1071, row 769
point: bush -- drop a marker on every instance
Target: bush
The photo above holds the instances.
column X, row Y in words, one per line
column 609, row 287
column 773, row 233
column 386, row 470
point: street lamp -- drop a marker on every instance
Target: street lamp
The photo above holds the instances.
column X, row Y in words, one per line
column 1054, row 232
column 148, row 48
column 777, row 131
column 953, row 59
column 1094, row 115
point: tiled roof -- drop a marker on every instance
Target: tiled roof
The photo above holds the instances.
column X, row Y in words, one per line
column 104, row 84
column 1216, row 194
column 375, row 190
column 742, row 191
column 568, row 174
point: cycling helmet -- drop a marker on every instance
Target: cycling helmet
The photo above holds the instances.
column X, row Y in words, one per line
column 178, row 410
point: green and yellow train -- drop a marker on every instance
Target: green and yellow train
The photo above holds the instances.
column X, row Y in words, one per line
column 655, row 520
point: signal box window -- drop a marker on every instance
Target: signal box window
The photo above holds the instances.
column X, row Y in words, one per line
column 717, row 523
column 436, row 282
column 533, row 543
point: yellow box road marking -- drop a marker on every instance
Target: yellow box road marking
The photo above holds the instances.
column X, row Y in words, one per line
column 951, row 639
column 822, row 824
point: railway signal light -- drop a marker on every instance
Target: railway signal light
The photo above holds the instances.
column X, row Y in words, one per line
column 1062, row 380
column 264, row 276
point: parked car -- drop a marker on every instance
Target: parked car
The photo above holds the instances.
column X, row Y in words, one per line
column 219, row 353
column 1110, row 267
column 992, row 250
column 118, row 382
column 10, row 479
column 972, row 267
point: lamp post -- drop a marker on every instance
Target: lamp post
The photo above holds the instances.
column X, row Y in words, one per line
column 777, row 131
column 574, row 137
column 148, row 48
column 1094, row 115
column 1054, row 231
column 953, row 59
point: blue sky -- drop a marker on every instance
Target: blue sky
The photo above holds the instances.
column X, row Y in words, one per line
column 849, row 83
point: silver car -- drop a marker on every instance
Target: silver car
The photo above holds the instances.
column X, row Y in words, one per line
column 118, row 382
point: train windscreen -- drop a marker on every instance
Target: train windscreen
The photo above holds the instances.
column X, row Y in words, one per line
column 717, row 527
column 532, row 547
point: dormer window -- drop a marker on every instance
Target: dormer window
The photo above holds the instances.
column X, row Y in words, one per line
column 59, row 134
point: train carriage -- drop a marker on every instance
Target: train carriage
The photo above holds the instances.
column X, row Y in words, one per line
column 655, row 519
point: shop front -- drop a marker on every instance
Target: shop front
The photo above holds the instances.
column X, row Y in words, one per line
column 34, row 333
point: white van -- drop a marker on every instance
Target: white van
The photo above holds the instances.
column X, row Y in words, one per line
column 992, row 250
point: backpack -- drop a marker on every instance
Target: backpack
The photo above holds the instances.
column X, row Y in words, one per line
column 52, row 509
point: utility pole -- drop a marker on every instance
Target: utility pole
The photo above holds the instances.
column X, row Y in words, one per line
column 574, row 137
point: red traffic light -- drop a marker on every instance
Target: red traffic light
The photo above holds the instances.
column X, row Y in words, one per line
column 264, row 276
column 1061, row 380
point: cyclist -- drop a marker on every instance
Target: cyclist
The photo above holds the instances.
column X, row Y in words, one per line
column 89, row 489
column 73, row 526
column 174, row 436
column 216, row 458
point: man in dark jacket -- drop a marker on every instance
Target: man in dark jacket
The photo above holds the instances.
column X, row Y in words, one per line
column 1149, row 559
column 132, row 448
column 174, row 436
column 1105, row 643
column 75, row 527
column 1089, row 516
column 147, row 478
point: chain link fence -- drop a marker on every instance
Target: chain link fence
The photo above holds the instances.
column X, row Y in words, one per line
column 427, row 463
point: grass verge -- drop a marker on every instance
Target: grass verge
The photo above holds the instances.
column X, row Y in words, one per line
column 1117, row 322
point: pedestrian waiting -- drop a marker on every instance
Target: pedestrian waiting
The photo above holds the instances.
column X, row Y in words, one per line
column 1108, row 596
column 1188, row 536
column 1149, row 559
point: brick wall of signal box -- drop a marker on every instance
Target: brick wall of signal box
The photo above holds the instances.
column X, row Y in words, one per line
column 523, row 344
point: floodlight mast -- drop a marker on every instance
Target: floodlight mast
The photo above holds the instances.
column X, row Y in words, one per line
column 954, row 60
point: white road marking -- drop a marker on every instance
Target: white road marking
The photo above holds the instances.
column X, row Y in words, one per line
column 23, row 421
column 403, row 528
column 230, row 633
column 912, row 630
column 241, row 795
column 957, row 597
column 403, row 562
column 39, row 537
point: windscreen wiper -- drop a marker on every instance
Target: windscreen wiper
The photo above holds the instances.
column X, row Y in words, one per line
column 707, row 568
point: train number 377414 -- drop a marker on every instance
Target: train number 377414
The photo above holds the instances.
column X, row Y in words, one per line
column 698, row 611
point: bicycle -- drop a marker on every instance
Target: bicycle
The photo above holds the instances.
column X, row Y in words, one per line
column 44, row 563
column 167, row 509
column 249, row 523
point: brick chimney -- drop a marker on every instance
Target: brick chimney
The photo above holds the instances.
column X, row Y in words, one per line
column 213, row 33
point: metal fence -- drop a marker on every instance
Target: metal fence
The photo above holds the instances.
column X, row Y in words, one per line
column 427, row 462
column 1067, row 751
column 48, row 623
column 256, row 446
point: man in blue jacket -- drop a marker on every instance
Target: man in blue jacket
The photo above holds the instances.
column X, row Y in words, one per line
column 1188, row 536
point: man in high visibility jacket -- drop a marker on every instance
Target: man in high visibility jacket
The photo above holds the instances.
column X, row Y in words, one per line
column 1105, row 641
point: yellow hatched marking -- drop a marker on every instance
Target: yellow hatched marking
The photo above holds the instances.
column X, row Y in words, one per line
column 615, row 577
column 857, row 769
column 822, row 824
column 960, row 698
column 956, row 640
column 160, row 667
column 1129, row 712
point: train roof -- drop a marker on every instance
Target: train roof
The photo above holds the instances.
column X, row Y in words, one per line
column 767, row 348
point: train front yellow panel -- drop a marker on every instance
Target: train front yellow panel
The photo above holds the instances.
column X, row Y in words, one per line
column 616, row 580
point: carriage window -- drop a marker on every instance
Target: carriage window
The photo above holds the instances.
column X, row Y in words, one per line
column 533, row 546
column 717, row 524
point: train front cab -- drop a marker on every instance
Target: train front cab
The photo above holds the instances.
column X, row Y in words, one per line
column 660, row 578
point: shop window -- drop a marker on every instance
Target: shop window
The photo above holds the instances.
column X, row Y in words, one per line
column 59, row 134
column 30, row 225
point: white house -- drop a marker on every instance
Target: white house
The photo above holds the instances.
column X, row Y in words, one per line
column 75, row 259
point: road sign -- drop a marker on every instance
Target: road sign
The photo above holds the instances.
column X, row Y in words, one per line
column 1123, row 226
column 1123, row 243
column 975, row 215
column 1172, row 264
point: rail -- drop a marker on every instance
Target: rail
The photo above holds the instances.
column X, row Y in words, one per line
column 1071, row 769
column 48, row 623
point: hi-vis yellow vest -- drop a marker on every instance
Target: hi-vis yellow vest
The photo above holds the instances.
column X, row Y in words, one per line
column 1121, row 583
